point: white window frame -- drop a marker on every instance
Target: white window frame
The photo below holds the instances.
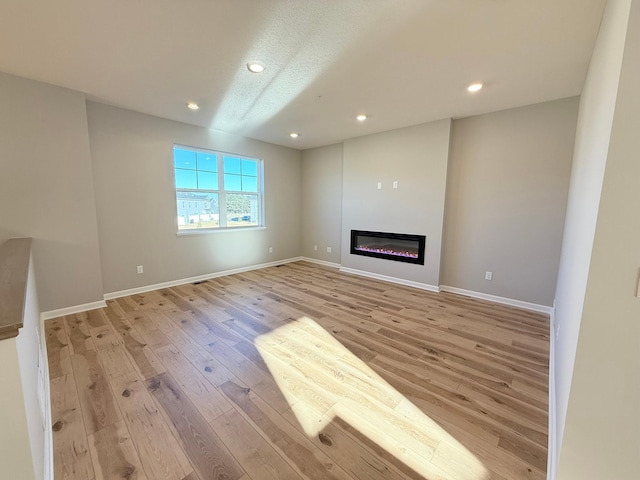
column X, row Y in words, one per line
column 221, row 192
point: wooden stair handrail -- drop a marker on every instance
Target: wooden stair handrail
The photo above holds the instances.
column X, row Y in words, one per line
column 14, row 272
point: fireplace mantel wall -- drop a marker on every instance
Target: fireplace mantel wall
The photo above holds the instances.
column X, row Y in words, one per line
column 415, row 157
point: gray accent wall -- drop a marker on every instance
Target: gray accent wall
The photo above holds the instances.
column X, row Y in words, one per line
column 322, row 202
column 416, row 157
column 46, row 188
column 506, row 198
column 132, row 156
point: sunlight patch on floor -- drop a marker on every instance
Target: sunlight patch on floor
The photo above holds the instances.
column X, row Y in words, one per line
column 322, row 380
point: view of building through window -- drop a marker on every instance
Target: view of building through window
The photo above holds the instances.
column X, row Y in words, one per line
column 216, row 190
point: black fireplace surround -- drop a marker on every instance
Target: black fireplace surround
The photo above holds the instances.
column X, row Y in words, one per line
column 399, row 247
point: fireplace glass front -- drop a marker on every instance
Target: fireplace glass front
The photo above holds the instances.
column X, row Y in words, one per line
column 398, row 247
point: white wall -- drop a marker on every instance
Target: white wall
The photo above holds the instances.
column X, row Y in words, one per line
column 506, row 195
column 595, row 120
column 322, row 202
column 602, row 429
column 15, row 448
column 132, row 156
column 416, row 157
column 34, row 375
column 46, row 188
column 31, row 350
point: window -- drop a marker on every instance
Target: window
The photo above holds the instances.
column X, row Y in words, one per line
column 217, row 190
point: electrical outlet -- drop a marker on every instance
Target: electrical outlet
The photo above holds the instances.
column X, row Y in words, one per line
column 315, row 248
column 488, row 275
column 270, row 249
column 395, row 184
column 379, row 185
column 328, row 249
column 140, row 269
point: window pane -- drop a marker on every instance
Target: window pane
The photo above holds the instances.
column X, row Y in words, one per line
column 207, row 162
column 249, row 184
column 184, row 158
column 186, row 178
column 232, row 182
column 242, row 210
column 197, row 210
column 207, row 181
column 249, row 167
column 232, row 165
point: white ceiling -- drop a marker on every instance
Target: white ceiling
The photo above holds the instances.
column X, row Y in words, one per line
column 402, row 62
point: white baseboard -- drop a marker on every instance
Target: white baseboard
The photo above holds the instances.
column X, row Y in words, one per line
column 386, row 278
column 320, row 262
column 199, row 278
column 148, row 288
column 494, row 298
column 552, row 461
column 72, row 310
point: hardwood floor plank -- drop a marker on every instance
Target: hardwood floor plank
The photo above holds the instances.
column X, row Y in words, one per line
column 526, row 450
column 94, row 318
column 79, row 334
column 111, row 352
column 140, row 320
column 358, row 460
column 297, row 449
column 206, row 398
column 209, row 456
column 205, row 363
column 254, row 453
column 448, row 456
column 115, row 457
column 99, row 408
column 71, row 457
column 440, row 403
column 160, row 454
column 194, row 476
column 236, row 363
column 143, row 357
column 57, row 348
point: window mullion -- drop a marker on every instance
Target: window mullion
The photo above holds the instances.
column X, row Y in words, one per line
column 222, row 199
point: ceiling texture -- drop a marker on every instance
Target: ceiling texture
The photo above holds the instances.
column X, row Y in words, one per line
column 402, row 62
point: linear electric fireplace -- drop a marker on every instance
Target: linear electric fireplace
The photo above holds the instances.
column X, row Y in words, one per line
column 399, row 247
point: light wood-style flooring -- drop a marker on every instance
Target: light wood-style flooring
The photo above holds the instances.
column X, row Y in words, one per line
column 299, row 372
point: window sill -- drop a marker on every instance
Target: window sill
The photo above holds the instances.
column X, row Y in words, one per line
column 208, row 231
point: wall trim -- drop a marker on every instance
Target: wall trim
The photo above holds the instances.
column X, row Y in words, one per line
column 61, row 312
column 386, row 278
column 552, row 461
column 320, row 262
column 199, row 278
column 494, row 298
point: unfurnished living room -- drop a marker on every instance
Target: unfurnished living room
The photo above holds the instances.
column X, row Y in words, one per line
column 305, row 239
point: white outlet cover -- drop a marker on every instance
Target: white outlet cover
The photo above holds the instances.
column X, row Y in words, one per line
column 328, row 249
column 488, row 275
column 379, row 185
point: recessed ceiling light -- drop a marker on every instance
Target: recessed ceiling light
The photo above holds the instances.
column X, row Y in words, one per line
column 361, row 118
column 474, row 87
column 294, row 135
column 193, row 106
column 255, row 67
